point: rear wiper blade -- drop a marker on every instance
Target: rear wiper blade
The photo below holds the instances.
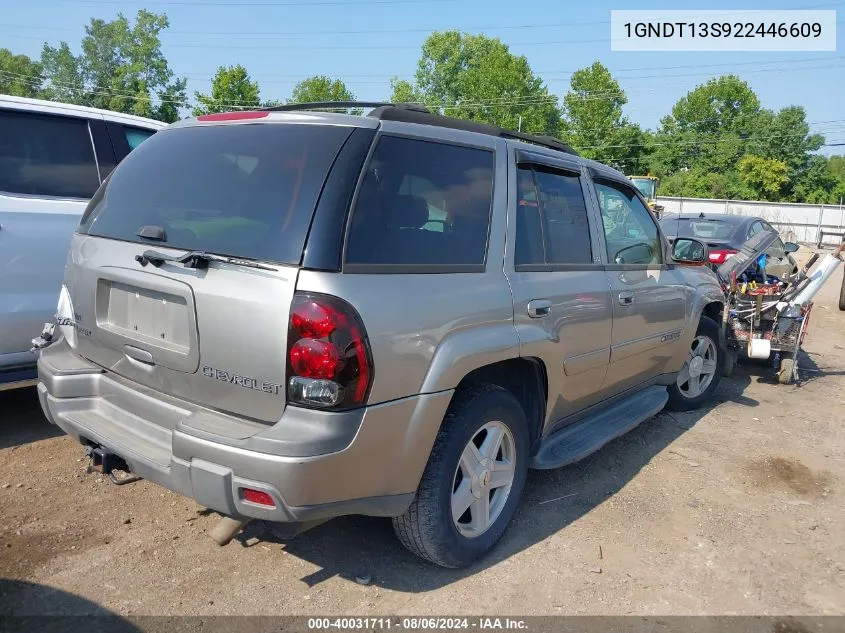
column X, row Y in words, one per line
column 196, row 259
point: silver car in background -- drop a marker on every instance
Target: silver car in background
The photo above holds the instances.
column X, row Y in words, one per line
column 53, row 157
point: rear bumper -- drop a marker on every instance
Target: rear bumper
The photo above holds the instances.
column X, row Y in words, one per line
column 315, row 465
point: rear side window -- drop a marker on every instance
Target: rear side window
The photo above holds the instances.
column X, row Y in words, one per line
column 422, row 203
column 247, row 190
column 135, row 136
column 551, row 220
column 45, row 155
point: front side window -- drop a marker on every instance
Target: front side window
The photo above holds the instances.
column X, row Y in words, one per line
column 422, row 203
column 45, row 155
column 630, row 231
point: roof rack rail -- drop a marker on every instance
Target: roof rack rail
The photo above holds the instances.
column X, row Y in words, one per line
column 416, row 113
column 540, row 139
column 315, row 105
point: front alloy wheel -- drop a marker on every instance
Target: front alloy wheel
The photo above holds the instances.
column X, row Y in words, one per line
column 698, row 371
column 702, row 369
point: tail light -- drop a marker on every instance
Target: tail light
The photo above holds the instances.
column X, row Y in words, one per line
column 329, row 360
column 720, row 256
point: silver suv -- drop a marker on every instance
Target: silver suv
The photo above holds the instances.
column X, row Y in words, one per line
column 293, row 316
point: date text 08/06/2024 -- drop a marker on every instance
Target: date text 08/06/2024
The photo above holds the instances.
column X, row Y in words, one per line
column 415, row 623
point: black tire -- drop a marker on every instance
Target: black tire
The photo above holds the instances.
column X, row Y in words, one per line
column 842, row 294
column 680, row 402
column 426, row 528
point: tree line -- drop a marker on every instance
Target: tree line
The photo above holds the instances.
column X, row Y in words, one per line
column 717, row 141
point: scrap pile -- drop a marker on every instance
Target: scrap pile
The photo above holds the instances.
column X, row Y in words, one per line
column 767, row 316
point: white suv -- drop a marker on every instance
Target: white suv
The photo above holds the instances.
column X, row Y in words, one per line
column 53, row 157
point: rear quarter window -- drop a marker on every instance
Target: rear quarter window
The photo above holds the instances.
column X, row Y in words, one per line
column 423, row 206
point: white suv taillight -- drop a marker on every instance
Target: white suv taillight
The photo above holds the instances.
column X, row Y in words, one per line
column 329, row 360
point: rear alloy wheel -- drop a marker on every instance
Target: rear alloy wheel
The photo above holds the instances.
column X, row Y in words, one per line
column 483, row 479
column 473, row 480
column 701, row 372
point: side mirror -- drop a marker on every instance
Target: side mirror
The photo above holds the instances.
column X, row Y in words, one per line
column 689, row 251
column 636, row 254
column 790, row 247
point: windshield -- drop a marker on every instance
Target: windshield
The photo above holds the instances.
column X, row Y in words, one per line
column 247, row 190
column 645, row 185
column 699, row 228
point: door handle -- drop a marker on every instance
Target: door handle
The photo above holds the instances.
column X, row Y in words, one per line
column 538, row 308
column 626, row 298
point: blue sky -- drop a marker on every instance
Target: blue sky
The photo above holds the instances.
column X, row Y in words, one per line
column 365, row 42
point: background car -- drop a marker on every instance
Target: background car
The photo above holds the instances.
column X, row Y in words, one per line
column 725, row 234
column 53, row 157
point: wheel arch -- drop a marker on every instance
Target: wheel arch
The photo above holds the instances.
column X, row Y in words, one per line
column 526, row 379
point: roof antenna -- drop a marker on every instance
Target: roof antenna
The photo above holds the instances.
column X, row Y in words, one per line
column 701, row 215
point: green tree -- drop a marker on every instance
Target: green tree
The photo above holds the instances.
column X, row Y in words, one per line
column 836, row 166
column 785, row 136
column 231, row 89
column 593, row 122
column 121, row 68
column 764, row 176
column 403, row 91
column 476, row 77
column 706, row 129
column 818, row 184
column 20, row 76
column 320, row 88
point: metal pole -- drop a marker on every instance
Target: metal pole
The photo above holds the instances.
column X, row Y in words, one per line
column 819, row 226
column 519, row 127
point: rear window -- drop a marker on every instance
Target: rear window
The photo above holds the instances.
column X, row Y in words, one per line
column 701, row 229
column 246, row 190
column 423, row 204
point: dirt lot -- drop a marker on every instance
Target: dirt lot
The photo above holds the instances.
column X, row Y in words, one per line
column 739, row 509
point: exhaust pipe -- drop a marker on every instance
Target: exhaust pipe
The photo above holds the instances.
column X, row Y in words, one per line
column 227, row 529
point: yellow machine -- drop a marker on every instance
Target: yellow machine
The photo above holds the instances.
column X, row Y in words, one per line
column 647, row 186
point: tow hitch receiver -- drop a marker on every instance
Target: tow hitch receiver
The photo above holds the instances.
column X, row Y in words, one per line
column 106, row 463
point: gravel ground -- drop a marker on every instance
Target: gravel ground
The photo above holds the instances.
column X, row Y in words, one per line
column 737, row 509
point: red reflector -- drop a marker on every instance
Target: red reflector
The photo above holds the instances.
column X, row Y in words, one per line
column 233, row 116
column 258, row 496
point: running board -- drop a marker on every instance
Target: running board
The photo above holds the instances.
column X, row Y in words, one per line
column 580, row 439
